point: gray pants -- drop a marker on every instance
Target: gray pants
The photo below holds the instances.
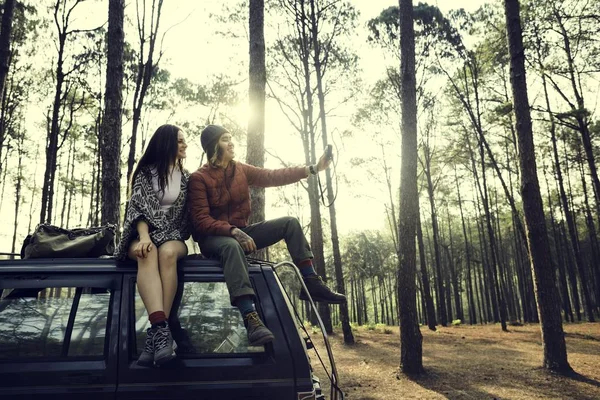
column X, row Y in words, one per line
column 264, row 234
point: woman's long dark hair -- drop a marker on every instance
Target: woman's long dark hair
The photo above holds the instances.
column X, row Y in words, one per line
column 160, row 153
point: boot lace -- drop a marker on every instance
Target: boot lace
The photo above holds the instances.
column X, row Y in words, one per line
column 161, row 338
column 149, row 345
column 253, row 319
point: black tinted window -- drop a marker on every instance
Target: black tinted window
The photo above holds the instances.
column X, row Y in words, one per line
column 40, row 322
column 204, row 321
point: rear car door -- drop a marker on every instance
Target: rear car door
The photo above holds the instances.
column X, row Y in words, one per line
column 58, row 332
column 214, row 359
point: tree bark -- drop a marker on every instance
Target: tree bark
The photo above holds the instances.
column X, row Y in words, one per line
column 66, row 184
column 146, row 70
column 411, row 340
column 453, row 273
column 18, row 185
column 316, row 230
column 335, row 241
column 548, row 302
column 470, row 300
column 429, row 306
column 5, row 55
column 593, row 238
column 111, row 128
column 71, row 186
column 255, row 154
column 562, row 280
column 578, row 109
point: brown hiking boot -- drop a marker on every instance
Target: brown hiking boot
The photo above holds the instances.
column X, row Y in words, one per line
column 258, row 333
column 320, row 292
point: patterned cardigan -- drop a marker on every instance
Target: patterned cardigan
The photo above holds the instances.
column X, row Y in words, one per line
column 172, row 224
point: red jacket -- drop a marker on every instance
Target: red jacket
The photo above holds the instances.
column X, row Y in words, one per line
column 219, row 199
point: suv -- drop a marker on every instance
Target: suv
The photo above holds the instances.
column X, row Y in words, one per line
column 74, row 328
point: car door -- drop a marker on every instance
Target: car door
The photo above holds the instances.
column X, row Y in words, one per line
column 214, row 359
column 58, row 334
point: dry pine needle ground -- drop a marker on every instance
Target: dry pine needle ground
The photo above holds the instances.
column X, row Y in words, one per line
column 465, row 362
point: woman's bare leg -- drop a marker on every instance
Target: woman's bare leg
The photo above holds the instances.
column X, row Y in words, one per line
column 168, row 254
column 148, row 279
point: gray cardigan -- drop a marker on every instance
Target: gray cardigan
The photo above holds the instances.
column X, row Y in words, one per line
column 172, row 224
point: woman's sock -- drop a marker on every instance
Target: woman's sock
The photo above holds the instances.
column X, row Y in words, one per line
column 157, row 318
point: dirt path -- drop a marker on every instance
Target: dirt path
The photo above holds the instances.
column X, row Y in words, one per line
column 466, row 362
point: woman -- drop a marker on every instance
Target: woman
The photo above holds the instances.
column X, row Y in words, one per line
column 154, row 232
column 220, row 206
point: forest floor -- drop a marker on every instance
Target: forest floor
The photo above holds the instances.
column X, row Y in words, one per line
column 464, row 362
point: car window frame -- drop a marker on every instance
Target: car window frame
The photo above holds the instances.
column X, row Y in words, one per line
column 189, row 278
column 76, row 281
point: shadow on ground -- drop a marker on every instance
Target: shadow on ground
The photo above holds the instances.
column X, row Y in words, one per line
column 468, row 363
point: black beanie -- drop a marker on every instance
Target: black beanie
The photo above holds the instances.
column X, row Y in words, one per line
column 209, row 136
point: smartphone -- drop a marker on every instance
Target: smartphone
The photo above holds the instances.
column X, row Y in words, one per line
column 329, row 152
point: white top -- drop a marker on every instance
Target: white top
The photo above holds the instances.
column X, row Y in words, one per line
column 172, row 188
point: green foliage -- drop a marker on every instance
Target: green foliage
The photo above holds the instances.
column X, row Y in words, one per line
column 456, row 322
column 504, row 109
column 430, row 26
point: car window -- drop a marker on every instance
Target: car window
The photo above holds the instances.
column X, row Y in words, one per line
column 203, row 321
column 53, row 322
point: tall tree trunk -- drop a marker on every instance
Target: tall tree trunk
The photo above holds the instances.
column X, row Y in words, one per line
column 496, row 284
column 66, row 185
column 68, row 101
column 411, row 340
column 34, row 189
column 5, row 33
column 441, row 290
column 562, row 280
column 505, row 289
column 572, row 269
column 146, row 70
column 472, row 314
column 481, row 299
column 593, row 238
column 111, row 128
column 316, row 227
column 578, row 109
column 429, row 307
column 571, row 273
column 492, row 288
column 453, row 274
column 95, row 219
column 335, row 241
column 18, row 184
column 255, row 150
column 489, row 300
column 52, row 141
column 71, row 186
column 564, row 202
column 255, row 153
column 548, row 301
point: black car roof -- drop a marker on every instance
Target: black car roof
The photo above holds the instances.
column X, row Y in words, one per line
column 188, row 263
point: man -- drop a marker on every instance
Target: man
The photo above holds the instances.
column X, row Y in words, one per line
column 219, row 199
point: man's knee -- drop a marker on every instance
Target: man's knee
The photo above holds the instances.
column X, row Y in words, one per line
column 230, row 246
column 289, row 223
column 292, row 224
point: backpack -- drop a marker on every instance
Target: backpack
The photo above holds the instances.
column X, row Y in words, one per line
column 49, row 241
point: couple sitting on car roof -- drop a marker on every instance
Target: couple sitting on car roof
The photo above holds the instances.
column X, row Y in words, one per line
column 168, row 204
